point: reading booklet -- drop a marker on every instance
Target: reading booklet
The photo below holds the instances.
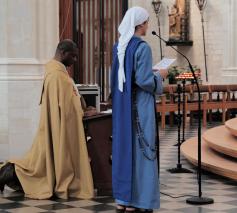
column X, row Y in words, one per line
column 164, row 64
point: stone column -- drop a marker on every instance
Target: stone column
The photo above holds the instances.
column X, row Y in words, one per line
column 29, row 35
column 230, row 58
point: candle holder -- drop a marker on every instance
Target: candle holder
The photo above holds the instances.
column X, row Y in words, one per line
column 201, row 6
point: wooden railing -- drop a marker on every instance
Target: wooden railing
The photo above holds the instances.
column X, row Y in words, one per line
column 213, row 97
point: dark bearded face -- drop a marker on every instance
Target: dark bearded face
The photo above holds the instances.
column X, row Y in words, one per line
column 69, row 57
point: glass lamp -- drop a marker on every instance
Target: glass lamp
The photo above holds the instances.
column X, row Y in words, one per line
column 157, row 8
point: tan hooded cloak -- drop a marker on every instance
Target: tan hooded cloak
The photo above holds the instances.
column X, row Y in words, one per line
column 58, row 160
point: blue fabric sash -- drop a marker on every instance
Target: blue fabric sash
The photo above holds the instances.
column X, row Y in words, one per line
column 122, row 124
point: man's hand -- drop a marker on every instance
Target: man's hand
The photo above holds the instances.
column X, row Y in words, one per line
column 90, row 111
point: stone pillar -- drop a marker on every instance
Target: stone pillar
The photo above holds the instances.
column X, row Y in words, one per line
column 230, row 59
column 29, row 35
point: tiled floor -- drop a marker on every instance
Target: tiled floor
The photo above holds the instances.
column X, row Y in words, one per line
column 179, row 186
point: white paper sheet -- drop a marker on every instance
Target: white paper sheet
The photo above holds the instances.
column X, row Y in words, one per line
column 164, row 63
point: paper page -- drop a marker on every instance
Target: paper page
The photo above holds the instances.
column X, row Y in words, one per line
column 164, row 63
column 107, row 111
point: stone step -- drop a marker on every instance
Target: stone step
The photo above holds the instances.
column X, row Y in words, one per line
column 211, row 160
column 221, row 140
column 231, row 125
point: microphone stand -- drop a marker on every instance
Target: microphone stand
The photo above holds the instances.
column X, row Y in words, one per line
column 196, row 200
column 184, row 110
column 183, row 129
column 179, row 168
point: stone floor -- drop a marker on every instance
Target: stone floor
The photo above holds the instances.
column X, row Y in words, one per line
column 175, row 188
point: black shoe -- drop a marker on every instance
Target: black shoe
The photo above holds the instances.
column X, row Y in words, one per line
column 132, row 210
column 7, row 173
column 120, row 210
column 146, row 210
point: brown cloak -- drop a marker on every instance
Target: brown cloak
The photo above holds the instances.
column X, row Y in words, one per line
column 58, row 160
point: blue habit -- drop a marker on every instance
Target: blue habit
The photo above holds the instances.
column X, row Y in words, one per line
column 134, row 175
column 122, row 124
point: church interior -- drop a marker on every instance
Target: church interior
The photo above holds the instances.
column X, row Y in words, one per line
column 196, row 112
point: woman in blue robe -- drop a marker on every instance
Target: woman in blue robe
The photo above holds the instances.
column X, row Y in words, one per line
column 133, row 86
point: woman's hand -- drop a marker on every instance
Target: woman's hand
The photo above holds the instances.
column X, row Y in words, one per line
column 163, row 73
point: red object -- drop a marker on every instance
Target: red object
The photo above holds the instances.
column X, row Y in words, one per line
column 187, row 75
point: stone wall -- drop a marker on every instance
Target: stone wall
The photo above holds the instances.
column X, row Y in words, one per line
column 29, row 35
column 220, row 34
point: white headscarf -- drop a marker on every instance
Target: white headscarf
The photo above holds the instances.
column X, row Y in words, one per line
column 133, row 17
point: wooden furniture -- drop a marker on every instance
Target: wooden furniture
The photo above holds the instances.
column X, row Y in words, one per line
column 232, row 89
column 219, row 149
column 213, row 97
column 98, row 130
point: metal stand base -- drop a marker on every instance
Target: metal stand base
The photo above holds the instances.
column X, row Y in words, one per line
column 199, row 200
column 177, row 144
column 179, row 169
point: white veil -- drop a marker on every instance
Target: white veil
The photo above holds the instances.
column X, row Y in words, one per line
column 133, row 17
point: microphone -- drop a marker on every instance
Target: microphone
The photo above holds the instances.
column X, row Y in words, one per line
column 155, row 34
column 194, row 200
column 189, row 64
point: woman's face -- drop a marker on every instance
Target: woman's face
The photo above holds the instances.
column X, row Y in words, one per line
column 143, row 28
